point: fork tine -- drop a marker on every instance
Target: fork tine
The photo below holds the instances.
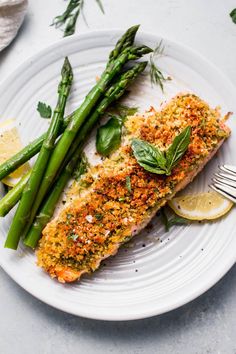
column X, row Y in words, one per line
column 218, row 190
column 227, row 189
column 226, row 175
column 225, row 181
column 228, row 168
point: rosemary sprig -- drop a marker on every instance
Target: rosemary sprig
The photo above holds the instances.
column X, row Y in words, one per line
column 156, row 75
column 70, row 16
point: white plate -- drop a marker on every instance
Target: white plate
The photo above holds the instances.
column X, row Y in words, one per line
column 173, row 268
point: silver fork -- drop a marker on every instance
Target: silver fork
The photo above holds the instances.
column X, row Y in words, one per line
column 224, row 182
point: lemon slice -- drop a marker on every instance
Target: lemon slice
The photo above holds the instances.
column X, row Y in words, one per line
column 10, row 144
column 202, row 206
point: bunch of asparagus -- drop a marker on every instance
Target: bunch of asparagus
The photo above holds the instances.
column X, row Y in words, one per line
column 39, row 190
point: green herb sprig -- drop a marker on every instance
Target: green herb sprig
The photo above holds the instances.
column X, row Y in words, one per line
column 70, row 16
column 124, row 111
column 174, row 220
column 44, row 110
column 156, row 75
column 128, row 184
column 233, row 15
column 156, row 161
column 73, row 237
column 108, row 137
column 82, row 167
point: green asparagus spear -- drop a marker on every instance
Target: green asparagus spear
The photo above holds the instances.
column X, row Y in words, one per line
column 21, row 157
column 112, row 69
column 13, row 196
column 47, row 210
column 27, row 152
column 71, row 131
column 33, row 148
column 30, row 191
column 124, row 42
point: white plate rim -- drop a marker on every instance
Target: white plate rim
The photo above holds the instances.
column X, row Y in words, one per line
column 230, row 261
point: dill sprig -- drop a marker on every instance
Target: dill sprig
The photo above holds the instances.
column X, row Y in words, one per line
column 70, row 16
column 155, row 73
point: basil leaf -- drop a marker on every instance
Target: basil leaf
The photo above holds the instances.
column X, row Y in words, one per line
column 149, row 156
column 156, row 170
column 128, row 184
column 175, row 220
column 177, row 148
column 81, row 168
column 109, row 137
column 164, row 219
column 178, row 220
column 233, row 15
column 44, row 110
column 154, row 160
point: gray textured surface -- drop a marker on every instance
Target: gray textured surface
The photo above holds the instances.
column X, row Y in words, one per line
column 208, row 324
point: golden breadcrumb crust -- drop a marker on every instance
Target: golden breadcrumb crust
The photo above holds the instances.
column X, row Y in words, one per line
column 96, row 222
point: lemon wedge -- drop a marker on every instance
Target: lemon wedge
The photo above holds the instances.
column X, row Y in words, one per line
column 10, row 144
column 202, row 206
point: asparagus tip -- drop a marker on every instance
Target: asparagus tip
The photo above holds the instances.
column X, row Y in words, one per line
column 134, row 28
column 66, row 68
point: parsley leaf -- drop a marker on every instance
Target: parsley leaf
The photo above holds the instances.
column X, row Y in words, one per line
column 44, row 110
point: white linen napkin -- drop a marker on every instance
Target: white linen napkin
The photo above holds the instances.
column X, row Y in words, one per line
column 12, row 14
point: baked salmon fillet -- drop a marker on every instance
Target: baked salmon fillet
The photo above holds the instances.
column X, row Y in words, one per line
column 103, row 213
